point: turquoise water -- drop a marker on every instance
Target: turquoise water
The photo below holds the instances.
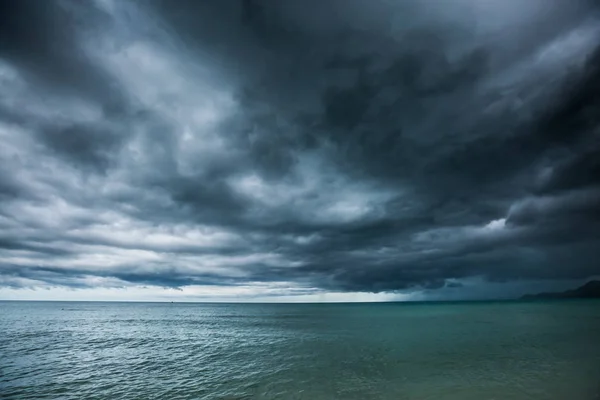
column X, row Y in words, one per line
column 435, row 351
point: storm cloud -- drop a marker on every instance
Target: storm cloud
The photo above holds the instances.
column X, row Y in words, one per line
column 299, row 146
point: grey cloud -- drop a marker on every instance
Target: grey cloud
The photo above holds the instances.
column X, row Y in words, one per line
column 84, row 145
column 340, row 145
column 41, row 38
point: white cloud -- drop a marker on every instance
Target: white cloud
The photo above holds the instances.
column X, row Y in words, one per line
column 496, row 224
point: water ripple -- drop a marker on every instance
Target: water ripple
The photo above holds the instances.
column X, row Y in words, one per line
column 157, row 351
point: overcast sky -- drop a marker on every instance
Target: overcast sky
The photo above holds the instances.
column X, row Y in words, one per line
column 315, row 150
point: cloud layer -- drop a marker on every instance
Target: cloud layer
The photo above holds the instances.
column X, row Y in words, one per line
column 298, row 147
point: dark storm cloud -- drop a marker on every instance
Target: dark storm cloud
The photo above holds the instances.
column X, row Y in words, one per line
column 81, row 144
column 41, row 39
column 341, row 145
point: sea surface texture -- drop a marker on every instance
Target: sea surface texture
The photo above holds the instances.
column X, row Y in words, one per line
column 463, row 351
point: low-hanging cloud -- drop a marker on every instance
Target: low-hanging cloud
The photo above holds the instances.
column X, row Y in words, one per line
column 364, row 146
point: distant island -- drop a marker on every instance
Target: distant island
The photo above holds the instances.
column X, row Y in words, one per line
column 590, row 290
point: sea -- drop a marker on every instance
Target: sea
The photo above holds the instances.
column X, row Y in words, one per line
column 546, row 350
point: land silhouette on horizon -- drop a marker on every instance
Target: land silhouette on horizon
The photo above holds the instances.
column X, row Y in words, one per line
column 590, row 290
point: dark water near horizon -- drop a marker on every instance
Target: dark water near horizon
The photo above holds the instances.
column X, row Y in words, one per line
column 500, row 351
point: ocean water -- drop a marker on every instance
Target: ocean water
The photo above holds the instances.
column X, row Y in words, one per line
column 501, row 351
